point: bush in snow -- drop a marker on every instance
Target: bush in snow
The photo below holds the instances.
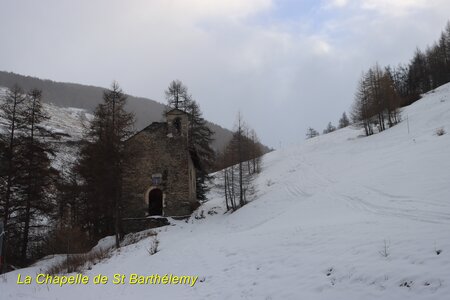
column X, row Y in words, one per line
column 440, row 131
column 153, row 246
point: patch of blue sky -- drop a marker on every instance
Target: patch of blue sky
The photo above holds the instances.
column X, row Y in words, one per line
column 297, row 15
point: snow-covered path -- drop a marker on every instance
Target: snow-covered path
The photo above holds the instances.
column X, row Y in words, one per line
column 339, row 217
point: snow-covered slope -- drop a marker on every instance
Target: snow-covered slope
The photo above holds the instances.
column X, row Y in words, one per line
column 339, row 217
column 68, row 123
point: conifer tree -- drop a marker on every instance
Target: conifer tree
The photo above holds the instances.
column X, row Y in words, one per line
column 38, row 175
column 200, row 135
column 344, row 121
column 177, row 94
column 101, row 164
column 311, row 132
column 200, row 139
column 12, row 111
column 329, row 128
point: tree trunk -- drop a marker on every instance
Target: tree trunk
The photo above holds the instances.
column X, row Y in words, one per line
column 8, row 186
column 31, row 190
column 225, row 187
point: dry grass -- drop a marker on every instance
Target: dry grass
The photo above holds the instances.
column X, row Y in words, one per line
column 153, row 246
column 80, row 262
column 85, row 261
column 133, row 238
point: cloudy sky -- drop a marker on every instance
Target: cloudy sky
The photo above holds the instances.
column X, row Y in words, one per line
column 284, row 64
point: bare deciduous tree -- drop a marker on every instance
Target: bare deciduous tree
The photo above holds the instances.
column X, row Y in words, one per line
column 239, row 164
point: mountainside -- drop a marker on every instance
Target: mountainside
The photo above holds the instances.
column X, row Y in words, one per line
column 87, row 97
column 68, row 123
column 340, row 217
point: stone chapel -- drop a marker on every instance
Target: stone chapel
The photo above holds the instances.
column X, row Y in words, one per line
column 159, row 178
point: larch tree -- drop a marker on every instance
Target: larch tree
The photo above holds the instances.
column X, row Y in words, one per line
column 39, row 176
column 12, row 111
column 311, row 132
column 200, row 135
column 101, row 164
column 344, row 121
column 376, row 101
column 361, row 109
column 177, row 94
column 330, row 128
column 239, row 164
column 200, row 139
